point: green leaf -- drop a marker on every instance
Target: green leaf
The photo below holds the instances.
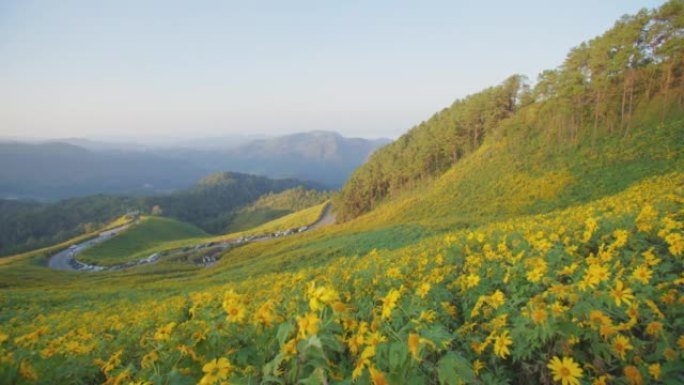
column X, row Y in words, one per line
column 453, row 367
column 284, row 331
column 398, row 352
column 177, row 378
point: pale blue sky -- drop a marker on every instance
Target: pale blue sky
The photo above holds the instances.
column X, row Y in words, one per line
column 206, row 68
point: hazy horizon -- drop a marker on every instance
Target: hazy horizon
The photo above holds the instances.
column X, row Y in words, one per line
column 165, row 70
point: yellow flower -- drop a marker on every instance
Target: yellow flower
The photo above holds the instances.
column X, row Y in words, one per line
column 621, row 294
column 321, row 296
column 496, row 299
column 423, row 289
column 621, row 345
column 558, row 308
column 449, row 308
column 645, row 219
column 600, row 380
column 149, row 359
column 670, row 354
column 389, row 303
column 472, row 280
column 234, row 307
column 565, row 370
column 535, row 275
column 650, row 258
column 164, row 332
column 642, row 274
column 596, row 274
column 27, row 371
column 427, row 316
column 308, row 325
column 215, row 370
column 654, row 370
column 290, row 347
column 264, row 315
column 375, row 338
column 235, row 311
column 633, row 375
column 680, row 341
column 364, row 360
column 539, row 315
column 377, row 377
column 413, row 345
column 653, row 328
column 477, row 366
column 676, row 242
column 501, row 344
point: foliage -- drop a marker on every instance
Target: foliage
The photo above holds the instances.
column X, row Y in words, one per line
column 275, row 205
column 211, row 203
column 600, row 91
column 31, row 225
column 598, row 285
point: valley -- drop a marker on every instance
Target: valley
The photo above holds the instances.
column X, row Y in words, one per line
column 209, row 248
column 528, row 233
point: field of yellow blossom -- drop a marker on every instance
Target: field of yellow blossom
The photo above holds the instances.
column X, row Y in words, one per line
column 591, row 294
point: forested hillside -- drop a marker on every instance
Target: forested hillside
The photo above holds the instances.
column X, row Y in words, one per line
column 31, row 225
column 209, row 204
column 606, row 87
column 212, row 204
column 275, row 205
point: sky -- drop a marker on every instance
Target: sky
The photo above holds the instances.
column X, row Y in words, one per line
column 186, row 69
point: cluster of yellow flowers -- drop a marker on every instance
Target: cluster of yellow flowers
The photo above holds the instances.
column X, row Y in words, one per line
column 589, row 294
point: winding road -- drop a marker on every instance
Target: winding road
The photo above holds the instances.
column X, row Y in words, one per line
column 66, row 259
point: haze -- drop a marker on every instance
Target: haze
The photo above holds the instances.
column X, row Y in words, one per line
column 132, row 69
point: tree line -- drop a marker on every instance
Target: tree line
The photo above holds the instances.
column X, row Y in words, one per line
column 596, row 92
column 209, row 204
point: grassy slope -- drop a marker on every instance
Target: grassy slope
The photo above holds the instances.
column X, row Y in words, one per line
column 120, row 297
column 498, row 182
column 503, row 179
column 133, row 242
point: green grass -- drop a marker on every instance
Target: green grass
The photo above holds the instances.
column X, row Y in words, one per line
column 133, row 243
column 245, row 220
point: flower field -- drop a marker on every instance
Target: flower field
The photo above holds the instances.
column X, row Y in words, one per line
column 588, row 295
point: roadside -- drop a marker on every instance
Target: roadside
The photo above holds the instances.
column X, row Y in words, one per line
column 66, row 259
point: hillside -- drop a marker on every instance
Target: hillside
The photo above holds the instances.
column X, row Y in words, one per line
column 30, row 225
column 150, row 233
column 609, row 95
column 275, row 205
column 214, row 204
column 325, row 157
column 211, row 203
column 521, row 236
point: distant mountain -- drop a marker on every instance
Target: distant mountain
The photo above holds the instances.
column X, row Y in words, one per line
column 321, row 156
column 81, row 167
column 52, row 171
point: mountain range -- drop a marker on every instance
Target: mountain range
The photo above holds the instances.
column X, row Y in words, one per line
column 75, row 167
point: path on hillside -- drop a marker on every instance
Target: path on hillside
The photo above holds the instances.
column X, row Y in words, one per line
column 66, row 259
column 327, row 217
